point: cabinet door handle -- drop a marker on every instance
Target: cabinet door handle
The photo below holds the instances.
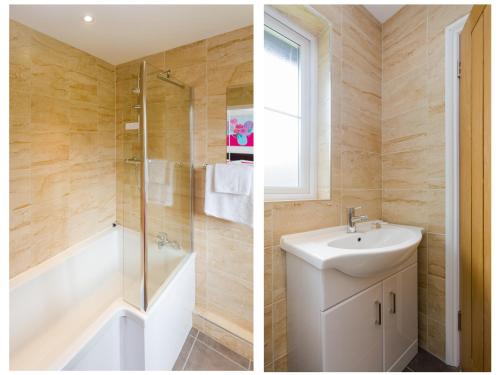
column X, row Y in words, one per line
column 393, row 299
column 378, row 312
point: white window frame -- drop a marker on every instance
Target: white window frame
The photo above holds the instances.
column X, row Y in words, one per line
column 308, row 107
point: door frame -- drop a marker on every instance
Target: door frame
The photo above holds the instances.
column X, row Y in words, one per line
column 452, row 193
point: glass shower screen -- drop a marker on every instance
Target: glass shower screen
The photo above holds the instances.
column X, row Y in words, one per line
column 156, row 183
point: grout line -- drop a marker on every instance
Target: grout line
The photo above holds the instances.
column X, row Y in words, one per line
column 189, row 354
column 215, row 350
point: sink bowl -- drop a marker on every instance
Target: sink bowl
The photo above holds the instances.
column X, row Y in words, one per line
column 366, row 253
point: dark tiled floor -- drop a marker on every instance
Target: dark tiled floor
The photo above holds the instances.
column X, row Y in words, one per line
column 202, row 353
column 426, row 362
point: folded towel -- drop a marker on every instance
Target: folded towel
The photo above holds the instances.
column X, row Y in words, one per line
column 160, row 194
column 232, row 207
column 158, row 171
column 161, row 182
column 233, row 179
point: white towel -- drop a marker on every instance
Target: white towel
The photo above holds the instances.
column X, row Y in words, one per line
column 161, row 182
column 232, row 207
column 233, row 178
column 158, row 171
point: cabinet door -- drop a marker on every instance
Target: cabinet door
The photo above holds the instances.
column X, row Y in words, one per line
column 352, row 333
column 400, row 314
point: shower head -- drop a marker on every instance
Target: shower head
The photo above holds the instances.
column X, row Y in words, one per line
column 166, row 76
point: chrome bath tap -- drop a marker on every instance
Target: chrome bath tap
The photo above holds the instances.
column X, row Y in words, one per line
column 162, row 240
column 352, row 220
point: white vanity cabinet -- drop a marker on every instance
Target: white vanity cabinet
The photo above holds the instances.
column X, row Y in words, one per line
column 400, row 317
column 352, row 333
column 373, row 327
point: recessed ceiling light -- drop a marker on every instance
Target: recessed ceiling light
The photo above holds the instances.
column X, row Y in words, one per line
column 88, row 19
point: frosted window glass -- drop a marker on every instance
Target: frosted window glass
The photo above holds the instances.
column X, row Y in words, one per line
column 282, row 73
column 282, row 111
column 282, row 140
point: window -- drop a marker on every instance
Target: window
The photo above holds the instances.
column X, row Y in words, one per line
column 290, row 98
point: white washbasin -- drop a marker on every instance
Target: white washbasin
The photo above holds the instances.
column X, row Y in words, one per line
column 367, row 253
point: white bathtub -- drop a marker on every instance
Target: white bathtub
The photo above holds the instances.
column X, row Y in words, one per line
column 68, row 313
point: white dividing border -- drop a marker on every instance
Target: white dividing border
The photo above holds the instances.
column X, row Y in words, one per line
column 452, row 246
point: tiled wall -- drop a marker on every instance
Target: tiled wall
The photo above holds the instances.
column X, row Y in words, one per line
column 355, row 167
column 224, row 268
column 413, row 147
column 62, row 146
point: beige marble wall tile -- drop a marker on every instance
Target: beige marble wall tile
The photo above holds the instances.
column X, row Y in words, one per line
column 436, row 338
column 406, row 132
column 404, row 94
column 361, row 170
column 268, row 334
column 362, row 53
column 436, row 244
column 279, row 329
column 279, row 274
column 404, row 22
column 268, row 275
column 268, row 224
column 293, row 217
column 436, row 298
column 405, row 207
column 436, row 211
column 360, row 130
column 231, row 298
column 54, row 117
column 405, row 170
column 405, row 54
column 359, row 17
column 231, row 256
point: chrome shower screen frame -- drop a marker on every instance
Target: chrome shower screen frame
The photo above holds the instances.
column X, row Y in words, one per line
column 143, row 123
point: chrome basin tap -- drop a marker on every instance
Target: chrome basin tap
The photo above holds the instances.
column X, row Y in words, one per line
column 352, row 219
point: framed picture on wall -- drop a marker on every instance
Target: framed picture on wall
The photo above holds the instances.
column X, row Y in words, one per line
column 240, row 135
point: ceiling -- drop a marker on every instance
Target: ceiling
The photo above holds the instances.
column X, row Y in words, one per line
column 120, row 33
column 383, row 12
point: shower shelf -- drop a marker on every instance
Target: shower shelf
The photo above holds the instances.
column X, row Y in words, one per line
column 133, row 161
column 139, row 161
